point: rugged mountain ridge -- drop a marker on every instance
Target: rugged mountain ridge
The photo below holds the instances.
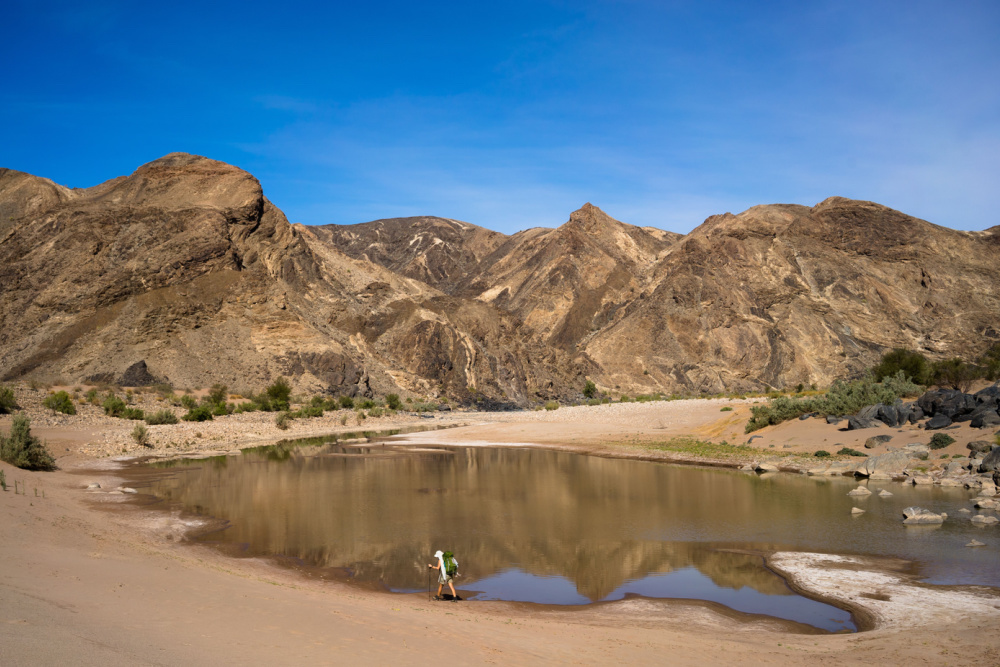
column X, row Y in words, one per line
column 186, row 265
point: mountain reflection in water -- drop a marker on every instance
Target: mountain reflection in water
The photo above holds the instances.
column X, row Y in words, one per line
column 378, row 512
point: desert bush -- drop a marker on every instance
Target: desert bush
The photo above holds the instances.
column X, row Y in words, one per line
column 821, row 453
column 843, row 398
column 141, row 435
column 913, row 364
column 7, row 402
column 113, row 406
column 3, row 480
column 189, row 402
column 360, row 414
column 727, row 408
column 162, row 417
column 343, row 420
column 92, row 397
column 940, row 441
column 589, row 389
column 365, row 404
column 163, row 389
column 346, row 402
column 847, row 451
column 279, row 392
column 222, row 409
column 198, row 413
column 24, row 450
column 283, row 420
column 376, row 412
column 308, row 411
column 60, row 402
column 990, row 361
column 551, row 405
column 594, row 401
column 956, row 374
column 217, row 394
column 392, row 400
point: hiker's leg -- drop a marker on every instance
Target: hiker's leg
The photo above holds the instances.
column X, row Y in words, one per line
column 452, row 587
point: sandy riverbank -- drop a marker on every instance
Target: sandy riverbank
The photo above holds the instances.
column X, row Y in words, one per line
column 84, row 584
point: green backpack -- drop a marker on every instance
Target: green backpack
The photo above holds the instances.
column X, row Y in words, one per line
column 450, row 565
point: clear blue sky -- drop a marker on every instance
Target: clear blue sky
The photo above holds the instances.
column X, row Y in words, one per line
column 511, row 115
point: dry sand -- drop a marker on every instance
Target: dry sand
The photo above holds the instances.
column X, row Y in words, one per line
column 93, row 578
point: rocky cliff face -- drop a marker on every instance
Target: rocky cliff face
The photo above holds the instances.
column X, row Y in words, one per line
column 187, row 266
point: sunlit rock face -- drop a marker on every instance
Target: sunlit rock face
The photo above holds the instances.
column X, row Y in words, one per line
column 187, row 266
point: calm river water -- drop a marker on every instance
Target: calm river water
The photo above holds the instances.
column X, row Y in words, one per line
column 561, row 528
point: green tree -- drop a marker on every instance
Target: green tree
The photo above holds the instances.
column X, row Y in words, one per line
column 990, row 361
column 956, row 374
column 279, row 393
column 589, row 389
column 913, row 364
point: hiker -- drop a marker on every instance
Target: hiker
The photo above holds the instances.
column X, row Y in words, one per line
column 444, row 576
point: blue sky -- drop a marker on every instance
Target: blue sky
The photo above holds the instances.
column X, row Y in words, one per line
column 511, row 115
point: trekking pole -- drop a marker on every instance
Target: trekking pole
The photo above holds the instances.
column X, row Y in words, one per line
column 428, row 584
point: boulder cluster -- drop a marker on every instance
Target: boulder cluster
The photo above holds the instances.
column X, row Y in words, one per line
column 939, row 407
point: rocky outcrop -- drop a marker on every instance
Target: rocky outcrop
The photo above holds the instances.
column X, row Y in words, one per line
column 187, row 266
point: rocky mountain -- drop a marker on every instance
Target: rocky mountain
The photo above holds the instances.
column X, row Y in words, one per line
column 187, row 266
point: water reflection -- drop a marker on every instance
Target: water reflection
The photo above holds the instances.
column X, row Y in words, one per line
column 602, row 524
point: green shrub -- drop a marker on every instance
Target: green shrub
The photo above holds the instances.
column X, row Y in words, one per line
column 199, row 413
column 162, row 417
column 821, row 453
column 278, row 393
column 132, row 413
column 308, row 412
column 360, row 415
column 594, row 401
column 552, row 405
column 392, row 400
column 164, row 389
column 221, row 409
column 346, row 402
column 956, row 374
column 113, row 406
column 843, row 398
column 990, row 361
column 60, row 402
column 141, row 435
column 589, row 389
column 847, row 451
column 376, row 412
column 366, row 404
column 283, row 420
column 940, row 440
column 91, row 397
column 317, row 402
column 913, row 364
column 728, row 408
column 3, row 480
column 217, row 394
column 189, row 402
column 7, row 402
column 24, row 450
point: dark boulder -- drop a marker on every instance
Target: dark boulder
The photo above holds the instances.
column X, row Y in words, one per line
column 989, row 394
column 984, row 418
column 876, row 440
column 938, row 421
column 979, row 446
column 137, row 375
column 869, row 412
column 948, row 402
column 832, row 419
column 855, row 423
column 991, row 462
